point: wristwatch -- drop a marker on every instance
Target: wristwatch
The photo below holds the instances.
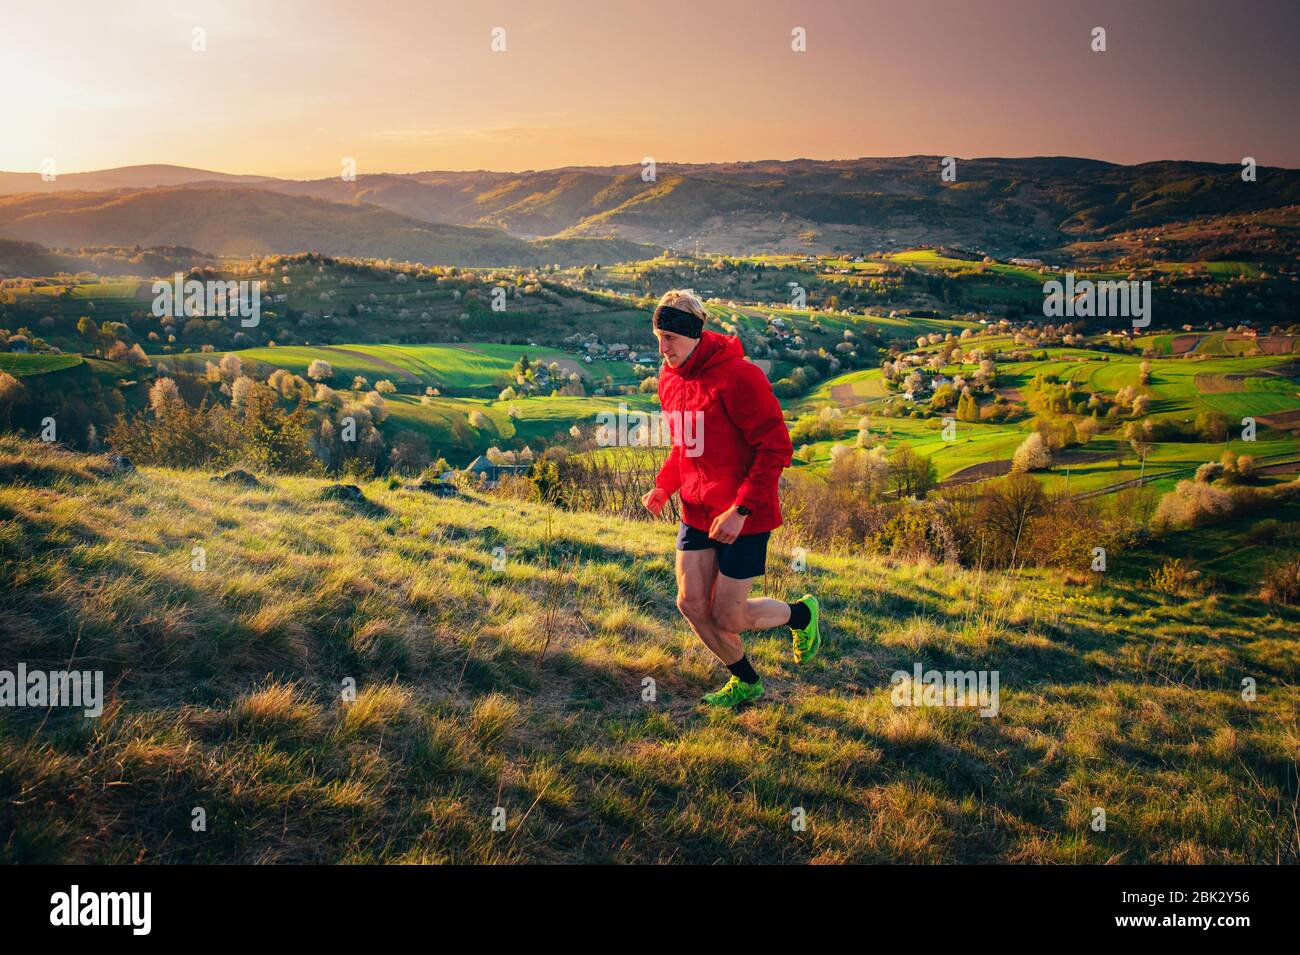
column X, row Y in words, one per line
column 743, row 511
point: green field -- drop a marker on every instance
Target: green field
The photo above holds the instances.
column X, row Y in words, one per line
column 863, row 385
column 472, row 367
column 1178, row 392
column 1209, row 344
column 755, row 318
column 445, row 421
column 1174, row 388
column 93, row 291
column 975, row 444
column 109, row 300
column 930, row 259
column 22, row 365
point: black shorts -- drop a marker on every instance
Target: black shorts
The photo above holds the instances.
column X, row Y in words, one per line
column 745, row 558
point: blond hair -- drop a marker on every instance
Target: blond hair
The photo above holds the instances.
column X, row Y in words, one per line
column 687, row 301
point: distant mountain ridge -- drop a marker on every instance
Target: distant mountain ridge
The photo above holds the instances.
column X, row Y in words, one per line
column 122, row 177
column 1003, row 206
column 244, row 221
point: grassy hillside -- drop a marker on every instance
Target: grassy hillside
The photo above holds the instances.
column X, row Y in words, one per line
column 522, row 688
column 21, row 366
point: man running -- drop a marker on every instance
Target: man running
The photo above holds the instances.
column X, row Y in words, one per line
column 736, row 446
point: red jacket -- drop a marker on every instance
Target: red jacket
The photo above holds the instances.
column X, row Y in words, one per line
column 744, row 445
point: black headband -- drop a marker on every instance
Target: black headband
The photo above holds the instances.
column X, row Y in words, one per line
column 678, row 322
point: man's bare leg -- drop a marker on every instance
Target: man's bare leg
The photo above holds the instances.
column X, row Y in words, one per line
column 701, row 588
column 696, row 573
column 734, row 612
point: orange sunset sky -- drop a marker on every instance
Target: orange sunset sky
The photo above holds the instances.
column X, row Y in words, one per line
column 288, row 89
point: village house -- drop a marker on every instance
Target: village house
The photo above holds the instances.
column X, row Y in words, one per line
column 489, row 474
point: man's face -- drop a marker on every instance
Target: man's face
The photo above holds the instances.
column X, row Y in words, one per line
column 675, row 348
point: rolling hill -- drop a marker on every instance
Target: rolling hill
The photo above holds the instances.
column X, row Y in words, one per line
column 19, row 258
column 242, row 221
column 1004, row 206
column 123, row 177
column 806, row 205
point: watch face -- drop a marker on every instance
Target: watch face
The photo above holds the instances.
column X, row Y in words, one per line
column 743, row 511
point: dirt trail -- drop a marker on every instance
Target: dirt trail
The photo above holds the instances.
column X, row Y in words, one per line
column 1281, row 420
column 978, row 472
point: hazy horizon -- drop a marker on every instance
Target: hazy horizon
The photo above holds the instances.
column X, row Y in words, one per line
column 289, row 92
column 661, row 163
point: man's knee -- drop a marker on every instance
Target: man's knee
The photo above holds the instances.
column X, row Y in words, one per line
column 729, row 617
column 693, row 608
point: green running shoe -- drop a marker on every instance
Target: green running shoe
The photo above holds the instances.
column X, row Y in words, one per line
column 734, row 693
column 808, row 641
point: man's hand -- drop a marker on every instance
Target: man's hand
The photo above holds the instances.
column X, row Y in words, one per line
column 654, row 500
column 727, row 526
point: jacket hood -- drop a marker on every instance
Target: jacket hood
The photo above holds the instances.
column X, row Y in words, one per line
column 713, row 349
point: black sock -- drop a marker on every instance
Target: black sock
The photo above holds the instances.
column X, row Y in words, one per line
column 800, row 615
column 743, row 671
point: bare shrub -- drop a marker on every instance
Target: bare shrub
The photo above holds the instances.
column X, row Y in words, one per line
column 1281, row 585
column 1209, row 472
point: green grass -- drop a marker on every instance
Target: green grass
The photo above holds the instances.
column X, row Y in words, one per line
column 1175, row 459
column 441, row 419
column 1219, row 270
column 1173, row 386
column 1213, row 344
column 521, row 688
column 755, row 317
column 89, row 291
column 975, row 443
column 1177, row 389
column 864, row 385
column 1229, row 552
column 22, row 366
column 471, row 367
column 931, row 260
column 470, row 377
